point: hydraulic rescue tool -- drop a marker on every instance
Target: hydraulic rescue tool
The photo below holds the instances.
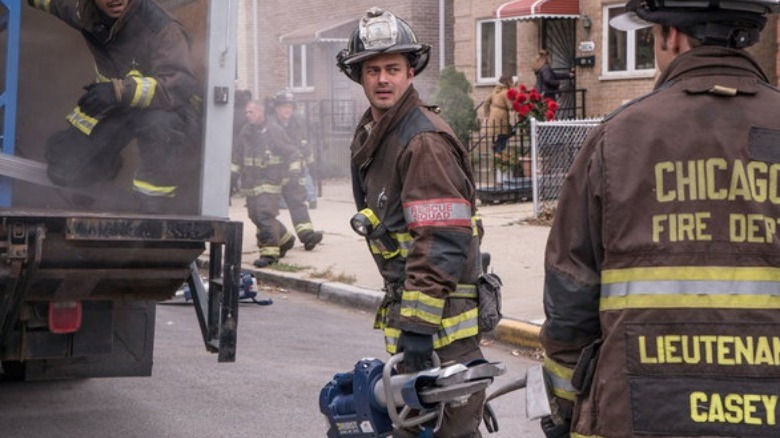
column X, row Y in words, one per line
column 365, row 402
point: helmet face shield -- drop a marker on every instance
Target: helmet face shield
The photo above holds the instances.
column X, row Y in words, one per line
column 381, row 32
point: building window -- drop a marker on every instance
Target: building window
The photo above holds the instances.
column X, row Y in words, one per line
column 301, row 68
column 496, row 50
column 627, row 53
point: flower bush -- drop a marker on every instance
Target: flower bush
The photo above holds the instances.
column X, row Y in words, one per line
column 530, row 103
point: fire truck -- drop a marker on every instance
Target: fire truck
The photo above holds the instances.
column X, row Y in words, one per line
column 79, row 281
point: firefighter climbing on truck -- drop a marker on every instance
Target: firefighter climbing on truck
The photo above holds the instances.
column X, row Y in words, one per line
column 144, row 88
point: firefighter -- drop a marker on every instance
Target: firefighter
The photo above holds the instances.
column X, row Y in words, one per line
column 662, row 292
column 284, row 131
column 144, row 89
column 264, row 169
column 415, row 194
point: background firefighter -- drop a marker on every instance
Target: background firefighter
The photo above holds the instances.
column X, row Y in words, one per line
column 264, row 170
column 144, row 89
column 653, row 329
column 413, row 183
column 284, row 132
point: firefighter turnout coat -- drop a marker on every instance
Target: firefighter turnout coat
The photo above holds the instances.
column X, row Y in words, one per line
column 662, row 290
column 145, row 48
column 412, row 174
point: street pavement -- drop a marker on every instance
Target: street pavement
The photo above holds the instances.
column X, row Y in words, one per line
column 340, row 269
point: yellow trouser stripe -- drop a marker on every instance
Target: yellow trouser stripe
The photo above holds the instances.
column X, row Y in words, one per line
column 560, row 378
column 153, row 190
column 306, row 226
column 263, row 189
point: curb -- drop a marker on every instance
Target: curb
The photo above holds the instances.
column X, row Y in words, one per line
column 511, row 331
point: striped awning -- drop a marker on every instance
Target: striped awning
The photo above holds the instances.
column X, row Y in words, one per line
column 333, row 31
column 530, row 9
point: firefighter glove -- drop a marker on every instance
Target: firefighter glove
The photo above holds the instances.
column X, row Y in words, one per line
column 417, row 349
column 100, row 98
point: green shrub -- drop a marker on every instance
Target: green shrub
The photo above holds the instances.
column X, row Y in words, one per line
column 457, row 106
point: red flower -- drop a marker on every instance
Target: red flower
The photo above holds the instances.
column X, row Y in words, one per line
column 524, row 110
column 535, row 96
column 553, row 105
column 522, row 88
column 550, row 114
column 521, row 97
column 511, row 94
column 516, row 106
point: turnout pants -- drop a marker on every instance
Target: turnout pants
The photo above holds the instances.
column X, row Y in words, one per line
column 294, row 193
column 76, row 159
column 263, row 210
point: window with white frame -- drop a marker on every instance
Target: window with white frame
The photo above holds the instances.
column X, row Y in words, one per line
column 301, row 67
column 496, row 50
column 626, row 53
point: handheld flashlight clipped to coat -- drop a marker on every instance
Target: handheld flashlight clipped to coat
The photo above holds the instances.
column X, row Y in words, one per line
column 366, row 223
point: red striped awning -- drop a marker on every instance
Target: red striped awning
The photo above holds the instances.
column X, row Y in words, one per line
column 530, row 9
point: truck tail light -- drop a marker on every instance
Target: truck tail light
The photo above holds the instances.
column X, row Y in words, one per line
column 64, row 316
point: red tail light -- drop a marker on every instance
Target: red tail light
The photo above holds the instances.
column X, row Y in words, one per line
column 64, row 316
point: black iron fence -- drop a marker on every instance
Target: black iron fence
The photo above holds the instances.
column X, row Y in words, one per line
column 330, row 125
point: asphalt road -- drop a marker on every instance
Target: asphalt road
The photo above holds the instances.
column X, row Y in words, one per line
column 286, row 353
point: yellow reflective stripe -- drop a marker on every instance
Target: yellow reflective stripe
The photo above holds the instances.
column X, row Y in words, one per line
column 153, row 190
column 666, row 301
column 272, row 251
column 99, row 77
column 376, row 247
column 263, row 189
column 691, row 273
column 235, row 168
column 302, row 227
column 391, row 339
column 369, row 214
column 560, row 379
column 474, row 225
column 285, row 238
column 44, row 5
column 415, row 304
column 144, row 91
column 295, row 166
column 263, row 163
column 691, row 287
column 579, row 435
column 404, row 241
column 457, row 327
column 81, row 121
column 452, row 329
column 464, row 291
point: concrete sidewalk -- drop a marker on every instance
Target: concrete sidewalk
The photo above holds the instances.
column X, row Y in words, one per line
column 340, row 269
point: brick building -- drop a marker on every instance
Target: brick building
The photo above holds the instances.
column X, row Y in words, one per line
column 293, row 43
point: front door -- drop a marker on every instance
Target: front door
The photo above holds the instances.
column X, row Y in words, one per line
column 559, row 38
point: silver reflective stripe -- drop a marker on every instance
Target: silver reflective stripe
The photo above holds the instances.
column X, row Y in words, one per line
column 691, row 280
column 691, row 288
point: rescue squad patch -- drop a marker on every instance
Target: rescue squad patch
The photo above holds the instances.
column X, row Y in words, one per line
column 438, row 213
